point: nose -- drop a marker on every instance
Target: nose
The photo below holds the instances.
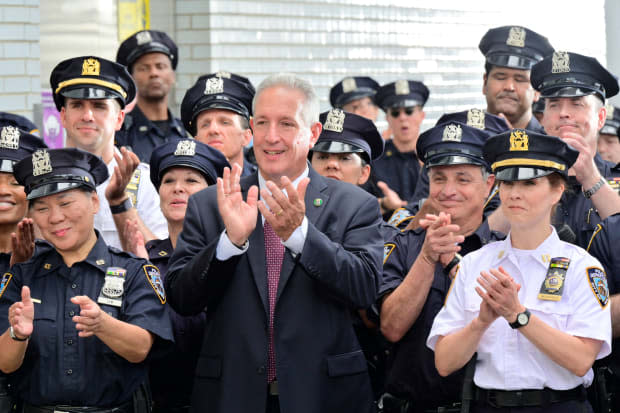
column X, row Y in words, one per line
column 509, row 84
column 178, row 187
column 56, row 215
column 449, row 188
column 87, row 113
column 4, row 188
column 271, row 134
column 332, row 162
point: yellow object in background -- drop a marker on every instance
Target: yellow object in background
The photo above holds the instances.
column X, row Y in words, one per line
column 133, row 15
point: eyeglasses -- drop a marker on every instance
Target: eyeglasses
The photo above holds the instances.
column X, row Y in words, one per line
column 408, row 111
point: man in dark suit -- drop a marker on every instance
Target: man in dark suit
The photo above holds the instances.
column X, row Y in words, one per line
column 280, row 286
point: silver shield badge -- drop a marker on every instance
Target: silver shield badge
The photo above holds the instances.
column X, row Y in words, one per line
column 348, row 85
column 335, row 120
column 475, row 118
column 516, row 37
column 185, row 148
column 560, row 62
column 214, row 85
column 143, row 38
column 9, row 137
column 452, row 133
column 41, row 163
column 401, row 87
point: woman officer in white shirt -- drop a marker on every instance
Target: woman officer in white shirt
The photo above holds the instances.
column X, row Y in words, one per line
column 534, row 308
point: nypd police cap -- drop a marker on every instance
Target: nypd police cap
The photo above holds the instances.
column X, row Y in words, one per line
column 23, row 123
column 476, row 118
column 401, row 94
column 612, row 121
column 147, row 41
column 15, row 145
column 514, row 47
column 352, row 88
column 91, row 77
column 188, row 153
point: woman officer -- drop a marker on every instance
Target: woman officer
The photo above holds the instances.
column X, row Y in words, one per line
column 534, row 308
column 179, row 169
column 82, row 317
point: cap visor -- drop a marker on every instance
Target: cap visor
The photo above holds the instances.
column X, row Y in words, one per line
column 54, row 188
column 521, row 174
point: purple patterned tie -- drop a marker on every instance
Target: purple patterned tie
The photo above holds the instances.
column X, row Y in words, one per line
column 274, row 253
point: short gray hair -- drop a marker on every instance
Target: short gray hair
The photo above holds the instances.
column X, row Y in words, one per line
column 310, row 106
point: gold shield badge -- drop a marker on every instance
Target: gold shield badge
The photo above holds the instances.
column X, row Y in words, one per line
column 91, row 67
column 41, row 163
column 185, row 148
column 348, row 85
column 401, row 87
column 9, row 137
column 475, row 118
column 516, row 37
column 519, row 141
column 335, row 121
column 560, row 62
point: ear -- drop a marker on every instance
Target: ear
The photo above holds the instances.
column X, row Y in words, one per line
column 63, row 116
column 315, row 132
column 95, row 200
column 247, row 137
column 602, row 117
column 120, row 118
column 484, row 84
column 365, row 175
column 490, row 182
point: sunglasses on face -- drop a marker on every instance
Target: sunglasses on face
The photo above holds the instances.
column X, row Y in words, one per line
column 408, row 111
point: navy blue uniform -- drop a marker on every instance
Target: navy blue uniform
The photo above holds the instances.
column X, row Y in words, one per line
column 535, row 126
column 412, row 374
column 398, row 170
column 144, row 135
column 61, row 368
column 172, row 376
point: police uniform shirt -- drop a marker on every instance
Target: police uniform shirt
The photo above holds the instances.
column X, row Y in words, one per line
column 412, row 374
column 535, row 126
column 61, row 368
column 507, row 360
column 144, row 135
column 172, row 376
column 146, row 201
column 398, row 170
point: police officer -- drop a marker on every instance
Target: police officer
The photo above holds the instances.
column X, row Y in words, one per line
column 419, row 264
column 151, row 57
column 510, row 53
column 575, row 88
column 538, row 108
column 526, row 305
column 217, row 111
column 82, row 317
column 608, row 142
column 11, row 119
column 396, row 172
column 179, row 169
column 90, row 93
column 355, row 95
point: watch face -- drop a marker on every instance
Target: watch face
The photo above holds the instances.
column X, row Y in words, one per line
column 522, row 318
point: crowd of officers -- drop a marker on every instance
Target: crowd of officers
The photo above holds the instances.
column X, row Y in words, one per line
column 256, row 255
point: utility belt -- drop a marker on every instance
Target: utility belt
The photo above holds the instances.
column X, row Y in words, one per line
column 124, row 408
column 392, row 404
column 527, row 398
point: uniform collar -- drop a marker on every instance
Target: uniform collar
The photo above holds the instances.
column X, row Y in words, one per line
column 542, row 254
column 144, row 125
column 159, row 248
column 98, row 257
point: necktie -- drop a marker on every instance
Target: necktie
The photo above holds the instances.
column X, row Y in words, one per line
column 274, row 253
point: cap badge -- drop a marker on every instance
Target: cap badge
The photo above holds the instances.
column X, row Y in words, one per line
column 185, row 148
column 143, row 38
column 401, row 87
column 214, row 85
column 335, row 120
column 610, row 115
column 91, row 67
column 452, row 133
column 222, row 73
column 475, row 118
column 519, row 141
column 9, row 138
column 41, row 163
column 516, row 37
column 560, row 63
column 348, row 85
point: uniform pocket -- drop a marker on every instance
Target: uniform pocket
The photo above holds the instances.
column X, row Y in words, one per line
column 346, row 364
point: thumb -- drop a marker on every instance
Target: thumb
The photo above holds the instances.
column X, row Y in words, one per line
column 26, row 295
column 383, row 186
column 301, row 188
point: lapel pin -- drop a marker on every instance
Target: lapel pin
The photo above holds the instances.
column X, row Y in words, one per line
column 317, row 202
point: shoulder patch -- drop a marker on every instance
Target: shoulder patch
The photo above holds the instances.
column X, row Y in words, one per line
column 154, row 278
column 399, row 215
column 6, row 279
column 598, row 283
column 387, row 250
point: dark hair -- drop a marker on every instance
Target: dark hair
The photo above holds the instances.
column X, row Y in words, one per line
column 487, row 68
column 244, row 122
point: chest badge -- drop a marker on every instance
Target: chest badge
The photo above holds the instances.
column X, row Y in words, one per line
column 113, row 287
column 553, row 285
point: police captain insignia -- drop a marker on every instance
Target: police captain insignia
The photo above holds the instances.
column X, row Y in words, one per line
column 6, row 279
column 154, row 277
column 598, row 283
column 387, row 250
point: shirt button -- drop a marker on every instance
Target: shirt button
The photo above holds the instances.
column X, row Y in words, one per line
column 260, row 370
column 71, row 313
column 69, row 342
column 69, row 372
column 74, row 286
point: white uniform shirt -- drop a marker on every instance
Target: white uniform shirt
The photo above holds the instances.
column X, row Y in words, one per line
column 507, row 360
column 147, row 205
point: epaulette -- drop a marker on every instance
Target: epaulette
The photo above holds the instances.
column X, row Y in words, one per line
column 132, row 187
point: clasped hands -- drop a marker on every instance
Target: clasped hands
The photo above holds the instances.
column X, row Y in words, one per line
column 499, row 293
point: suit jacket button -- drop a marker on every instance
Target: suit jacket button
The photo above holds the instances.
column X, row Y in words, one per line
column 261, row 370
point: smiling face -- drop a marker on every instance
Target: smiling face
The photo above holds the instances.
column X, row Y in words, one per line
column 12, row 200
column 177, row 184
column 508, row 91
column 66, row 219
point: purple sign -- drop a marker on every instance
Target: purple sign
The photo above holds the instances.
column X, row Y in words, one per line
column 53, row 132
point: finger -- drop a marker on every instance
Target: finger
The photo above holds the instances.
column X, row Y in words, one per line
column 81, row 300
column 252, row 197
column 291, row 191
column 221, row 195
column 86, row 334
column 279, row 196
column 266, row 212
column 226, row 179
column 236, row 177
column 14, row 242
column 301, row 190
column 383, row 187
column 26, row 295
column 84, row 321
column 268, row 200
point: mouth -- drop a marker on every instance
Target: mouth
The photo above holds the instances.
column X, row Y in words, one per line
column 273, row 154
column 5, row 205
column 333, row 177
column 178, row 203
column 60, row 232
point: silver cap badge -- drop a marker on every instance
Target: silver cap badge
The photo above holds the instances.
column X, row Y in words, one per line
column 185, row 148
column 475, row 118
column 348, row 85
column 9, row 138
column 516, row 37
column 560, row 62
column 41, row 163
column 401, row 87
column 214, row 85
column 144, row 37
column 452, row 133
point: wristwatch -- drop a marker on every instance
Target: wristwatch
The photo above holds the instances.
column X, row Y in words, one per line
column 522, row 319
column 125, row 206
column 14, row 337
column 589, row 192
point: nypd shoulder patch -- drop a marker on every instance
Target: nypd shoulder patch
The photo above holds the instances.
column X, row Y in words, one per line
column 598, row 283
column 6, row 279
column 154, row 278
column 398, row 216
column 387, row 250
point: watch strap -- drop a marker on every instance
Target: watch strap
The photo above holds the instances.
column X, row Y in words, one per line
column 14, row 337
column 517, row 323
column 589, row 192
column 125, row 206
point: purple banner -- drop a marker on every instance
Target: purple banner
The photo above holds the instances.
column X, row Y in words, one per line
column 53, row 132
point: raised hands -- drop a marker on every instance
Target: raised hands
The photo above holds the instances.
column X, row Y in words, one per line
column 499, row 293
column 284, row 213
column 21, row 315
column 441, row 240
column 22, row 241
column 239, row 216
column 135, row 239
column 390, row 200
column 123, row 171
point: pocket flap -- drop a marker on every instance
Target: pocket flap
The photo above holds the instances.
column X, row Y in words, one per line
column 346, row 364
column 209, row 367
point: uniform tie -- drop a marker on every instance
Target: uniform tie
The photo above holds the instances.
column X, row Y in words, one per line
column 274, row 253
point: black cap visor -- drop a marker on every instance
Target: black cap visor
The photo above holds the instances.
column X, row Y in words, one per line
column 85, row 92
column 6, row 165
column 573, row 86
column 152, row 47
column 51, row 188
column 359, row 93
column 180, row 163
column 512, row 61
column 340, row 147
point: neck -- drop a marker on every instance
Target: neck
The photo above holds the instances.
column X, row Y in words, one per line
column 5, row 237
column 174, row 230
column 105, row 152
column 529, row 237
column 522, row 121
column 81, row 253
column 404, row 147
column 238, row 159
column 154, row 109
column 469, row 225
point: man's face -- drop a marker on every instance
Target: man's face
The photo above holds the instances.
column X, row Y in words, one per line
column 508, row 91
column 282, row 139
column 459, row 190
column 363, row 107
column 221, row 129
column 582, row 115
column 609, row 147
column 91, row 123
column 153, row 75
column 405, row 123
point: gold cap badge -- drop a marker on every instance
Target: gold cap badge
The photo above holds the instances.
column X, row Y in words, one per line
column 475, row 118
column 348, row 85
column 516, row 37
column 401, row 87
column 560, row 62
column 214, row 85
column 452, row 133
column 335, row 121
column 185, row 148
column 41, row 163
column 143, row 38
column 9, row 138
column 91, row 67
column 519, row 141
